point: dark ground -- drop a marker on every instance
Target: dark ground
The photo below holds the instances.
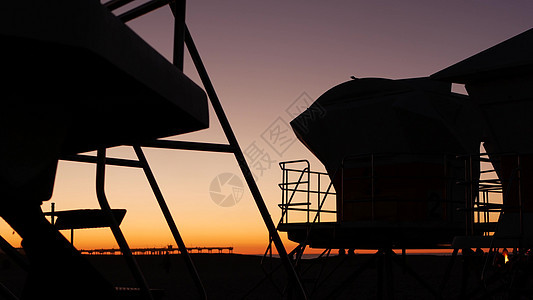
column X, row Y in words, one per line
column 232, row 276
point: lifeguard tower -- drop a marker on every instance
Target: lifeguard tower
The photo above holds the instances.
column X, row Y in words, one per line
column 404, row 168
column 81, row 80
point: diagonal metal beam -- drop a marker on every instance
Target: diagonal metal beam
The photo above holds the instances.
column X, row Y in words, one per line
column 5, row 293
column 183, row 145
column 115, row 228
column 178, row 8
column 109, row 161
column 170, row 221
column 114, row 4
column 245, row 169
column 142, row 10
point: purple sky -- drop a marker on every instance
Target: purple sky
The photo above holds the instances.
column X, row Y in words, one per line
column 261, row 56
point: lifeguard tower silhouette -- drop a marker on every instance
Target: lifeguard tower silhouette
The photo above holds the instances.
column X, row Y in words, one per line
column 80, row 80
column 404, row 170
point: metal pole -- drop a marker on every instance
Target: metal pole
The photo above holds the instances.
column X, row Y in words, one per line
column 113, row 224
column 471, row 191
column 282, row 186
column 53, row 210
column 417, row 277
column 114, row 4
column 389, row 276
column 380, row 268
column 179, row 32
column 239, row 156
column 285, row 194
column 142, row 9
column 342, row 196
column 170, row 221
column 520, row 211
column 446, row 189
column 318, row 198
column 5, row 293
column 466, row 197
column 308, row 191
column 372, row 184
column 448, row 271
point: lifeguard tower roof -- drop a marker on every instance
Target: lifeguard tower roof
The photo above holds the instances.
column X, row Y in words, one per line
column 511, row 57
column 110, row 87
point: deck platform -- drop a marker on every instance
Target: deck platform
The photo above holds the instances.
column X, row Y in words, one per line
column 373, row 235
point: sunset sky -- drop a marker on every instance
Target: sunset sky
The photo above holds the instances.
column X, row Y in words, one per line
column 262, row 56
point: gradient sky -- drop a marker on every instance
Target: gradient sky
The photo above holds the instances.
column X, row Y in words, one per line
column 261, row 56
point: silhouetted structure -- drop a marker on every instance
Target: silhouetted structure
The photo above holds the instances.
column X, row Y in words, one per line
column 81, row 80
column 158, row 251
column 83, row 219
column 403, row 158
column 391, row 149
column 500, row 82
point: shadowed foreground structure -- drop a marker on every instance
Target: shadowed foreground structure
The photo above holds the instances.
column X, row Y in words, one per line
column 95, row 84
column 404, row 171
column 232, row 276
column 79, row 80
column 407, row 151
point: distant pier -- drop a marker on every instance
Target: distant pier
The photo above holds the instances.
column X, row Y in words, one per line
column 158, row 251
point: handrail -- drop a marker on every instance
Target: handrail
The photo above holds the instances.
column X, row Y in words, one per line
column 290, row 188
column 285, row 173
column 493, row 185
column 478, row 205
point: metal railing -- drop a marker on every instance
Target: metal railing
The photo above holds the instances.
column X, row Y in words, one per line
column 298, row 181
column 487, row 201
column 473, row 190
column 492, row 201
column 308, row 187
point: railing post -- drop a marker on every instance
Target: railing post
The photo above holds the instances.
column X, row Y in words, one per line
column 446, row 188
column 52, row 210
column 308, row 190
column 466, row 196
column 471, row 213
column 318, row 197
column 286, row 190
column 520, row 212
column 342, row 194
column 283, row 218
column 372, row 184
